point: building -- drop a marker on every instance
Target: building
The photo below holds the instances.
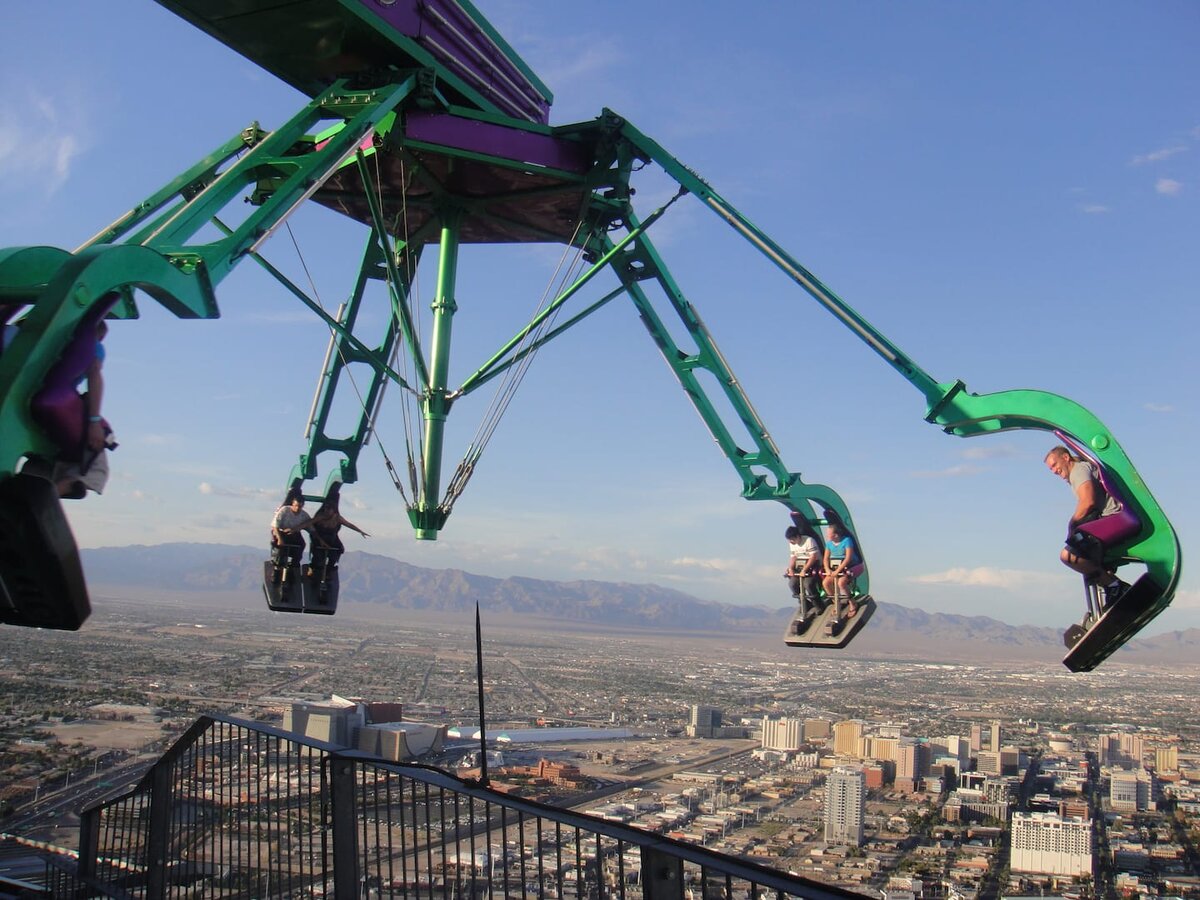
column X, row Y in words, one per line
column 1046, row 844
column 1120, row 750
column 1166, row 759
column 883, row 748
column 333, row 721
column 1131, row 791
column 704, row 721
column 845, row 806
column 817, row 729
column 847, row 737
column 972, row 805
column 782, row 734
column 398, row 741
column 912, row 761
column 371, row 727
column 999, row 762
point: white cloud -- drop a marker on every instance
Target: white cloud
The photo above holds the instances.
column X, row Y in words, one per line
column 36, row 146
column 1168, row 186
column 1158, row 155
column 986, row 576
column 1160, row 407
column 1094, row 209
column 209, row 489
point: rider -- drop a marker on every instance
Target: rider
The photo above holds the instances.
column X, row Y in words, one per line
column 1092, row 502
column 287, row 531
column 325, row 526
column 839, row 557
column 803, row 564
column 73, row 478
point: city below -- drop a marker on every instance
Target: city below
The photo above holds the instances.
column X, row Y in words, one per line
column 892, row 778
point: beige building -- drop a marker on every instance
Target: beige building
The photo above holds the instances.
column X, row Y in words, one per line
column 1047, row 844
column 847, row 737
column 1166, row 759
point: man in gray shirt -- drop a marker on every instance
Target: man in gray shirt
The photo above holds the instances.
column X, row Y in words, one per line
column 1092, row 502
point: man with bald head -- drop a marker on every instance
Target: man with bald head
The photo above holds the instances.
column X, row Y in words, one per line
column 1092, row 502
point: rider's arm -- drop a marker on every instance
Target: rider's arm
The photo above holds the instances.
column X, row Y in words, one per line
column 353, row 527
column 95, row 397
column 1085, row 500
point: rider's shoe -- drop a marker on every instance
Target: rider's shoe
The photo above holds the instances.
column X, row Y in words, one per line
column 1111, row 593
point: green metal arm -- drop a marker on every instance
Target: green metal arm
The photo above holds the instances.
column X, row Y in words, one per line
column 763, row 473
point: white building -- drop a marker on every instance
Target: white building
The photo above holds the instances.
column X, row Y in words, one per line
column 845, row 805
column 1047, row 844
column 1131, row 791
column 782, row 734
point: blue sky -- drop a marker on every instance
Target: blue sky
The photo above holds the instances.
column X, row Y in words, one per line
column 1009, row 191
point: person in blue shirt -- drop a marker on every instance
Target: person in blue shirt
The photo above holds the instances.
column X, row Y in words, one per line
column 840, row 555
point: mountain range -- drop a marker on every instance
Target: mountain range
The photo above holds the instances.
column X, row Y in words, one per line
column 373, row 583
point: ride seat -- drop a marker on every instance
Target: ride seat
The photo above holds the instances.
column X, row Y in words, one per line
column 1109, row 530
column 57, row 407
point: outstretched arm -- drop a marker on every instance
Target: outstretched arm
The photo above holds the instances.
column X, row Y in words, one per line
column 353, row 527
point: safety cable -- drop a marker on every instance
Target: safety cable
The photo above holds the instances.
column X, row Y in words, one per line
column 333, row 336
column 410, row 412
column 564, row 273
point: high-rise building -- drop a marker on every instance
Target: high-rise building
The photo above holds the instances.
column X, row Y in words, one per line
column 884, row 748
column 705, row 720
column 845, row 805
column 782, row 734
column 816, row 729
column 959, row 747
column 912, row 761
column 1120, row 749
column 1166, row 759
column 986, row 740
column 847, row 737
column 1048, row 844
column 1131, row 791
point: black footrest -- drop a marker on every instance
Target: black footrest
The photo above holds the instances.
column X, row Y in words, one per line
column 41, row 580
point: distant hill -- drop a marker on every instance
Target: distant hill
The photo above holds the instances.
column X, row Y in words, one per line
column 389, row 584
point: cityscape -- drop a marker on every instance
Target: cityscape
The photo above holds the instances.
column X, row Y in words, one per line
column 891, row 778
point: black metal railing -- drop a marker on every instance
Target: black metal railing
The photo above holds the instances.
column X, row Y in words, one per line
column 240, row 809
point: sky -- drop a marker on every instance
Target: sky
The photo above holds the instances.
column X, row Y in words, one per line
column 1009, row 191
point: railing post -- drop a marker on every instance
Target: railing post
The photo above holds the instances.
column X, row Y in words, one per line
column 662, row 875
column 89, row 843
column 345, row 828
column 157, row 830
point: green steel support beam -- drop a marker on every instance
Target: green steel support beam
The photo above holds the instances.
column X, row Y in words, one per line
column 845, row 314
column 642, row 262
column 484, row 374
column 344, row 349
column 351, row 346
column 482, row 377
column 964, row 414
column 429, row 516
